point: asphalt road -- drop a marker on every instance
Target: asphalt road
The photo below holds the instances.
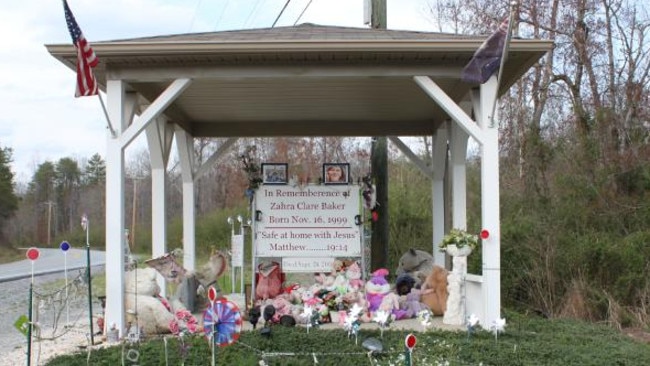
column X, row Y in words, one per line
column 50, row 261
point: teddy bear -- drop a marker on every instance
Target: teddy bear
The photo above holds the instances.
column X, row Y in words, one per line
column 390, row 304
column 357, row 298
column 434, row 291
column 269, row 282
column 143, row 302
column 282, row 307
column 411, row 304
column 404, row 284
column 353, row 274
column 341, row 284
column 415, row 263
column 376, row 288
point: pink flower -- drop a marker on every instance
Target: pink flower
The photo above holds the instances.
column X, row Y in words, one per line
column 191, row 327
column 183, row 314
column 173, row 327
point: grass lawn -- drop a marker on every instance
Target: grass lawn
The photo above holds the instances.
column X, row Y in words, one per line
column 526, row 341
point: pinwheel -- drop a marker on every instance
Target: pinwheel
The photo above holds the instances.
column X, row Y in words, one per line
column 355, row 310
column 498, row 325
column 224, row 319
column 382, row 318
column 351, row 324
column 307, row 313
column 472, row 322
column 424, row 316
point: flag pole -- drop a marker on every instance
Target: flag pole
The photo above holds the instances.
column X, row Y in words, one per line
column 504, row 56
column 86, row 226
column 108, row 120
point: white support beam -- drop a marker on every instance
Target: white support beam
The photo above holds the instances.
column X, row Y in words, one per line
column 215, row 157
column 173, row 91
column 457, row 158
column 115, row 224
column 439, row 150
column 490, row 204
column 157, row 138
column 401, row 146
column 185, row 147
column 448, row 105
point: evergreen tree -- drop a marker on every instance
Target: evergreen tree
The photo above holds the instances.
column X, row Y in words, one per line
column 95, row 171
column 8, row 198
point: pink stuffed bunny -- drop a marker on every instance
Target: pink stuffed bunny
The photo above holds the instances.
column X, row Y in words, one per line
column 376, row 288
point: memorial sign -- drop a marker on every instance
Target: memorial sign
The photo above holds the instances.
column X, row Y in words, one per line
column 313, row 221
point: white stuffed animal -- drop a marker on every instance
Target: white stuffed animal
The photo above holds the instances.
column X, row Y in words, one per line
column 142, row 302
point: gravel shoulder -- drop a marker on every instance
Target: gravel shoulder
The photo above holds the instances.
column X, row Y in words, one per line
column 50, row 314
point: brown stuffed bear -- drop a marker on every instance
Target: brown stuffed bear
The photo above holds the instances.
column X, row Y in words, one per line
column 434, row 290
column 415, row 263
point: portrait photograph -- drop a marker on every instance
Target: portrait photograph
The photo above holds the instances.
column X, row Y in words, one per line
column 274, row 173
column 336, row 173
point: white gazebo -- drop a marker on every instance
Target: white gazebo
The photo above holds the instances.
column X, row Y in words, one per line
column 306, row 80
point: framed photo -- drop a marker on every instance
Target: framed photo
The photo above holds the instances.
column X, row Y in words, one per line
column 336, row 173
column 274, row 173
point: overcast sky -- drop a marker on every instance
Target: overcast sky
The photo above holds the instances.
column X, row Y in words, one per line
column 41, row 120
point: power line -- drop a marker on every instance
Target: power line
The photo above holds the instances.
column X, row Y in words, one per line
column 281, row 11
column 221, row 15
column 303, row 12
column 257, row 3
column 196, row 10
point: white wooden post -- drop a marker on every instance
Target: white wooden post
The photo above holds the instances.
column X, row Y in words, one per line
column 185, row 146
column 439, row 150
column 490, row 203
column 158, row 139
column 115, row 238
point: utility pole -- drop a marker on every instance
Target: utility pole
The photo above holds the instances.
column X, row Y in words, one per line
column 379, row 167
column 134, row 212
column 378, row 14
column 49, row 221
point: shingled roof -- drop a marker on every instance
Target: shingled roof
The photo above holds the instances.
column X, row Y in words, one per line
column 301, row 32
column 300, row 80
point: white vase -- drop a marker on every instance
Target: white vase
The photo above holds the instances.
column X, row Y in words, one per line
column 454, row 251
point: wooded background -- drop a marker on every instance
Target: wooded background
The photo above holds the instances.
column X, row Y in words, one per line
column 575, row 177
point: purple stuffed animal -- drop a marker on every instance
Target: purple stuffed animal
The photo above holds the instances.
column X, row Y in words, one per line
column 411, row 304
column 376, row 288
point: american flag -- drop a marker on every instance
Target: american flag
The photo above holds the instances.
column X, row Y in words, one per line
column 86, row 59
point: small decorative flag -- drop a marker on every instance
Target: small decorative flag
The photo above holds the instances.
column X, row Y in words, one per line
column 487, row 59
column 84, row 222
column 86, row 59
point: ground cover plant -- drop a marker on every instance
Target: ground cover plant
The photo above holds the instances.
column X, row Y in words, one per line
column 527, row 340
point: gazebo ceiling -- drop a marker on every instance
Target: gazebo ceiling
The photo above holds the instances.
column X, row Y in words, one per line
column 306, row 80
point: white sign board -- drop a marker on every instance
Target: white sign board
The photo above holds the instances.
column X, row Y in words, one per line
column 296, row 264
column 314, row 221
column 237, row 250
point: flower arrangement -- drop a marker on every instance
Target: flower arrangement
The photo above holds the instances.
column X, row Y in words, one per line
column 459, row 238
column 184, row 322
